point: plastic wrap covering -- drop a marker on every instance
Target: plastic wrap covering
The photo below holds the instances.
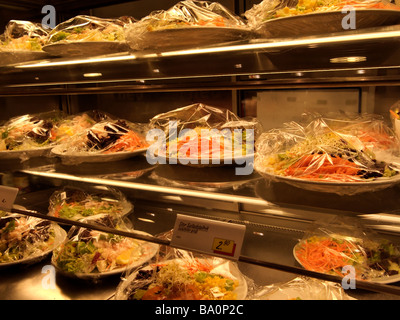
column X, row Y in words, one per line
column 195, row 23
column 22, row 41
column 106, row 140
column 70, row 126
column 87, row 28
column 395, row 118
column 27, row 240
column 342, row 154
column 346, row 248
column 301, row 18
column 202, row 134
column 302, row 288
column 91, row 254
column 272, row 9
column 87, row 36
column 23, row 35
column 76, row 203
column 28, row 135
column 183, row 275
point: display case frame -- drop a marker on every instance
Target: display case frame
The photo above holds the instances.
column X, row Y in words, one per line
column 354, row 59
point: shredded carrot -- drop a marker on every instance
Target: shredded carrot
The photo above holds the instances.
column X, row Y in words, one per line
column 395, row 114
column 197, row 265
column 193, row 146
column 323, row 166
column 326, row 255
column 372, row 5
column 377, row 139
column 218, row 21
column 130, row 141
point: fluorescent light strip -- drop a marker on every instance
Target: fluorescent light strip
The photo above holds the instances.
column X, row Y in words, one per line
column 73, row 62
column 153, row 188
column 255, row 46
column 278, row 44
column 201, row 76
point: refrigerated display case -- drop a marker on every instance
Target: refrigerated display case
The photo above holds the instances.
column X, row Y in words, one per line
column 251, row 78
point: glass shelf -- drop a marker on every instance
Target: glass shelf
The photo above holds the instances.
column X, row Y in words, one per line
column 370, row 56
column 274, row 212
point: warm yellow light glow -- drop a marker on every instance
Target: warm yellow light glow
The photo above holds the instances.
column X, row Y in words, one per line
column 92, row 75
column 73, row 62
column 348, row 59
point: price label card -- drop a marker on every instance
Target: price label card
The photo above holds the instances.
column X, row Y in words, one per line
column 208, row 236
column 7, row 197
column 224, row 246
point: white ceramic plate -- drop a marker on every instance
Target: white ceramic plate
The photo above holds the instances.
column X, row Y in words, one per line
column 85, row 48
column 342, row 188
column 189, row 37
column 24, row 154
column 305, row 289
column 13, row 57
column 326, row 22
column 76, row 158
column 196, row 162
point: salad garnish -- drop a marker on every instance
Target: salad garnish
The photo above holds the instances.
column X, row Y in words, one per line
column 329, row 254
column 178, row 280
column 359, row 152
column 87, row 29
column 23, row 237
column 88, row 251
column 27, row 132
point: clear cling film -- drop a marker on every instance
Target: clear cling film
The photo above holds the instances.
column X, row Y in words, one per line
column 87, row 28
column 334, row 246
column 273, row 9
column 341, row 150
column 104, row 140
column 22, row 35
column 301, row 288
column 194, row 22
column 78, row 203
column 91, row 254
column 181, row 275
column 202, row 132
column 27, row 240
column 30, row 131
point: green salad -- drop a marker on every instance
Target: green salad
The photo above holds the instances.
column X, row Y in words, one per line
column 24, row 237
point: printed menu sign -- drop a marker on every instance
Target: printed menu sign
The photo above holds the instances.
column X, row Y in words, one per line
column 208, row 236
column 7, row 197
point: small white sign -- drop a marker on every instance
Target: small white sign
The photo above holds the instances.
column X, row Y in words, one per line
column 208, row 236
column 7, row 197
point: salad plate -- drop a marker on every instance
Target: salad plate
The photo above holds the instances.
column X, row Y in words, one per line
column 197, row 270
column 148, row 251
column 299, row 294
column 85, row 48
column 208, row 161
column 28, row 153
column 59, row 237
column 303, row 288
column 19, row 56
column 92, row 157
column 75, row 204
column 342, row 188
column 325, row 22
column 211, row 178
column 189, row 37
column 383, row 279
